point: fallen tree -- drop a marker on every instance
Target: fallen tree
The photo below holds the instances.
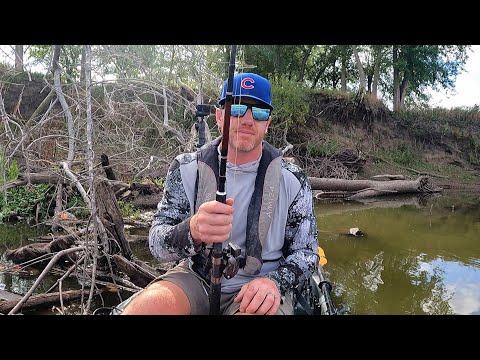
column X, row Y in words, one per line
column 43, row 300
column 360, row 189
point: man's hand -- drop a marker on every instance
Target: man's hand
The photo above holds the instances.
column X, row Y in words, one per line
column 260, row 297
column 213, row 222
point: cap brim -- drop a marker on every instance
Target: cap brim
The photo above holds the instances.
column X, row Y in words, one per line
column 222, row 101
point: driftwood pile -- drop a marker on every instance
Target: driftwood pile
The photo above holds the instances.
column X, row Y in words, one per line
column 343, row 164
column 105, row 257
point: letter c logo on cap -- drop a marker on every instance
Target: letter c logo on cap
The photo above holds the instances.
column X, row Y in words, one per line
column 247, row 83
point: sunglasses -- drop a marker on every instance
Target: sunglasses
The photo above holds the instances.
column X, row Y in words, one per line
column 260, row 114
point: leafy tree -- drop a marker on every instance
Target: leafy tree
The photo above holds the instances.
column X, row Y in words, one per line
column 70, row 59
column 417, row 67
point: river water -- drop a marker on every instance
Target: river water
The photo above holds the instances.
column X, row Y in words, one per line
column 416, row 255
column 419, row 258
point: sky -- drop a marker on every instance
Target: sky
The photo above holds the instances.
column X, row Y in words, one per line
column 467, row 85
column 465, row 94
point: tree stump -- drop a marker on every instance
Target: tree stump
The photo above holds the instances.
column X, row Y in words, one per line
column 110, row 215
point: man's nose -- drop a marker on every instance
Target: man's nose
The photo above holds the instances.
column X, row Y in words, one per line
column 248, row 117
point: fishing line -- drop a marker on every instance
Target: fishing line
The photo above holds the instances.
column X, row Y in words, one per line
column 235, row 167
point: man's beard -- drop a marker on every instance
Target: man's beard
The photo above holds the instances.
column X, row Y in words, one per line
column 243, row 145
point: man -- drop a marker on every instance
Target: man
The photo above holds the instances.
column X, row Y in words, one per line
column 268, row 214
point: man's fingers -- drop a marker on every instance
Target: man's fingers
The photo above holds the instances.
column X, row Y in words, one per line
column 216, row 207
column 213, row 221
column 249, row 298
column 266, row 305
column 259, row 297
column 239, row 296
column 276, row 304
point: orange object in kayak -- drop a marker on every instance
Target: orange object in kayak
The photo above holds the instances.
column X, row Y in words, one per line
column 321, row 253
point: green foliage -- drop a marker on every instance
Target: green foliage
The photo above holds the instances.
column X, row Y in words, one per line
column 7, row 172
column 128, row 61
column 291, row 108
column 334, row 93
column 128, row 210
column 273, row 60
column 404, row 155
column 25, row 77
column 75, row 204
column 457, row 127
column 160, row 182
column 424, row 66
column 327, row 148
column 23, row 201
column 289, row 100
column 11, row 172
column 70, row 58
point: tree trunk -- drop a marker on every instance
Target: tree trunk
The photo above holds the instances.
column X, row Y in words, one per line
column 19, row 58
column 82, row 67
column 111, row 218
column 396, row 79
column 377, row 53
column 367, row 188
column 307, row 50
column 343, row 74
column 361, row 73
column 68, row 115
column 107, row 168
column 139, row 273
column 32, row 251
column 403, row 91
column 43, row 300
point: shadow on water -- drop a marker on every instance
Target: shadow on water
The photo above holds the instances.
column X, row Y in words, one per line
column 417, row 256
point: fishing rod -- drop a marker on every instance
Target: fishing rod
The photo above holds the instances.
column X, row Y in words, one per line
column 221, row 195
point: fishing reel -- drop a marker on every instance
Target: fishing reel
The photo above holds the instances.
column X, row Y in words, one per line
column 232, row 261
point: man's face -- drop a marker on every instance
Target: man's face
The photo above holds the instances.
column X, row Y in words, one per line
column 246, row 133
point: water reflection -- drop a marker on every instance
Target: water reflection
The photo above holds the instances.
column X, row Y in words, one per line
column 373, row 274
column 459, row 283
column 15, row 284
column 13, row 236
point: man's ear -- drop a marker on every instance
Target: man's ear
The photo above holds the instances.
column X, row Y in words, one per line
column 268, row 124
column 218, row 116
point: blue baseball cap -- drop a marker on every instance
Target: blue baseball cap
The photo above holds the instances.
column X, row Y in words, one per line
column 249, row 85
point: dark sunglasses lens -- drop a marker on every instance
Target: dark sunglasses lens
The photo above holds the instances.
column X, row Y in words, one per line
column 260, row 114
column 238, row 110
